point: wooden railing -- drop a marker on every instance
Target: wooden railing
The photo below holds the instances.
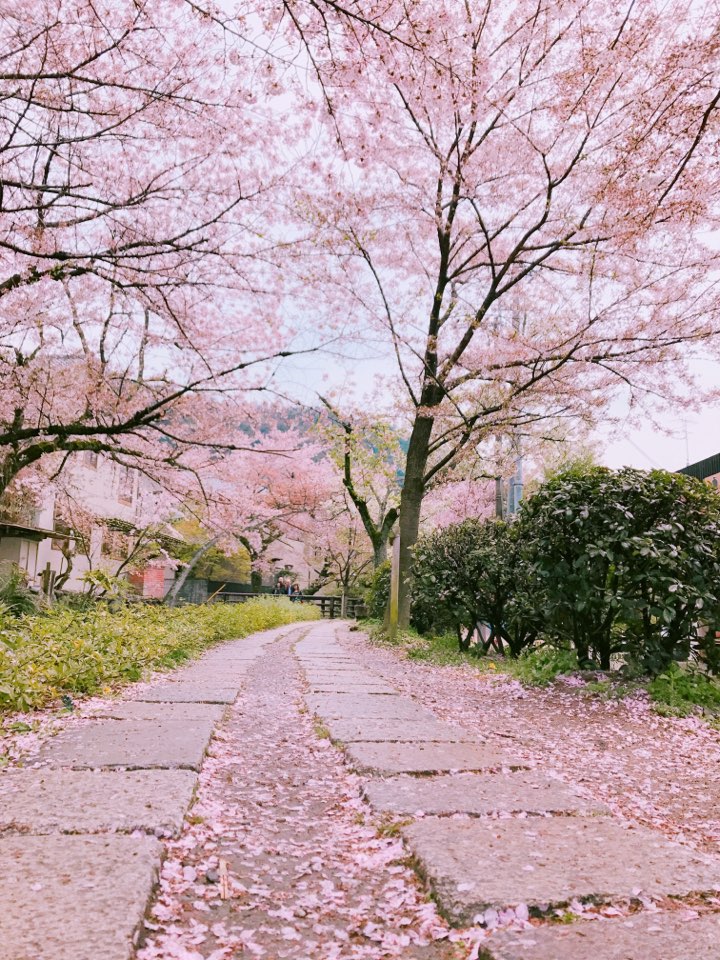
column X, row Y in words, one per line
column 330, row 607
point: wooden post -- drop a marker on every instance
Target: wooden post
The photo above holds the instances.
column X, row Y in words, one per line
column 394, row 602
column 48, row 582
column 343, row 607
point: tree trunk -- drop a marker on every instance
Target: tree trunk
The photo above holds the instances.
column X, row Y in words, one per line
column 173, row 592
column 62, row 578
column 411, row 500
column 379, row 554
column 603, row 649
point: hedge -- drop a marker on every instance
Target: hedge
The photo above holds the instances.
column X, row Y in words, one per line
column 601, row 562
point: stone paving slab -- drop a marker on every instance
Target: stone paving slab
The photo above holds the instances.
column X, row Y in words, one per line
column 187, row 692
column 404, row 731
column 351, row 680
column 330, row 663
column 338, row 686
column 370, row 706
column 74, row 898
column 150, row 710
column 331, row 651
column 134, row 744
column 82, row 801
column 232, row 655
column 424, row 757
column 472, row 865
column 343, row 667
column 478, row 794
column 236, row 650
column 211, row 675
column 665, row 936
column 350, row 671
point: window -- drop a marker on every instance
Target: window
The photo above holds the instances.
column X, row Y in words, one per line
column 91, row 459
column 57, row 542
column 126, row 484
column 73, row 541
column 115, row 545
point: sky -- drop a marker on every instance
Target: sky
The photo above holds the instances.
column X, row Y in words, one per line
column 692, row 436
column 685, row 435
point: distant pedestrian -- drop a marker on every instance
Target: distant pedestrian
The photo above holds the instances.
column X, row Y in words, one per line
column 294, row 591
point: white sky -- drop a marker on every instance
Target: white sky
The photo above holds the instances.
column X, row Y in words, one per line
column 685, row 435
column 692, row 436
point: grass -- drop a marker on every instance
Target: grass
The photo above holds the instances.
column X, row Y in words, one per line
column 540, row 666
column 441, row 650
column 321, row 731
column 680, row 691
column 54, row 655
column 390, row 827
column 536, row 667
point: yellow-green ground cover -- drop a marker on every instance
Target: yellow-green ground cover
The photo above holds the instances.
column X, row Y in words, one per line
column 64, row 651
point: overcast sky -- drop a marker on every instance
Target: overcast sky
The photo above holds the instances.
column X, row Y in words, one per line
column 691, row 433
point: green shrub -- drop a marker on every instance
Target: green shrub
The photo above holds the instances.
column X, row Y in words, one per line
column 467, row 574
column 543, row 665
column 683, row 690
column 625, row 561
column 67, row 651
column 377, row 594
column 15, row 597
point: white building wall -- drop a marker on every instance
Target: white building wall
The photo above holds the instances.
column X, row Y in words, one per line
column 97, row 485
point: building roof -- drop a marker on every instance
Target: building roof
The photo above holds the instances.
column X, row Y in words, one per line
column 27, row 532
column 703, row 468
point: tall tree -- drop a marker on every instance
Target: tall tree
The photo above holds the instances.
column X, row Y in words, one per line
column 366, row 451
column 520, row 204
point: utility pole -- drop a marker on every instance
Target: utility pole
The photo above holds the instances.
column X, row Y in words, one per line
column 499, row 498
column 516, row 485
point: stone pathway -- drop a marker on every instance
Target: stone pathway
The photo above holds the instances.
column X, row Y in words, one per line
column 493, row 839
column 288, row 814
column 80, row 829
column 279, row 814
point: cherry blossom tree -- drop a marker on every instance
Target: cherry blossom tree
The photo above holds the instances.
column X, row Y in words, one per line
column 520, row 204
column 458, row 500
column 366, row 451
column 337, row 537
column 254, row 498
column 138, row 162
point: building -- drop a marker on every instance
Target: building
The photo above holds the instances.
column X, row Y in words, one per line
column 94, row 522
column 707, row 469
column 292, row 558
